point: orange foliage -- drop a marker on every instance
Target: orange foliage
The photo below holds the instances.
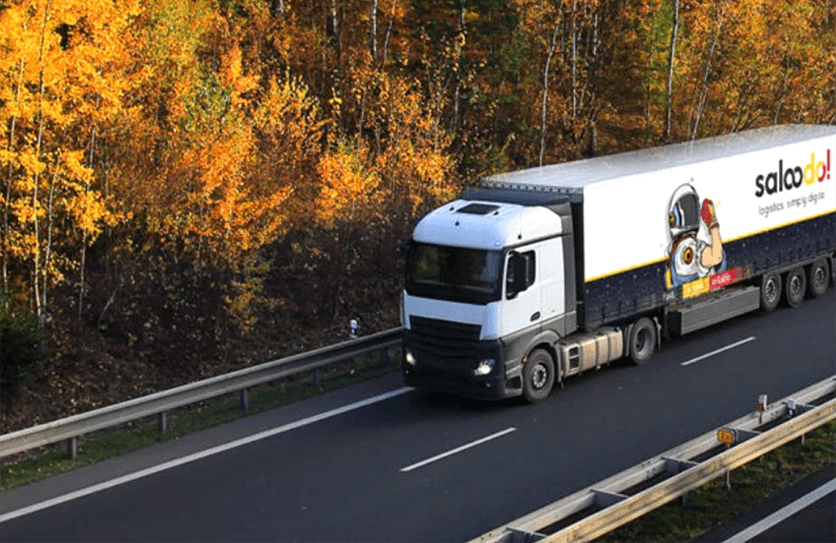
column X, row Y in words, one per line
column 213, row 130
column 772, row 62
column 61, row 73
column 349, row 188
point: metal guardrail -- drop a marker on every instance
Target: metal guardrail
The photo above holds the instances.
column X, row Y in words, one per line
column 159, row 403
column 655, row 482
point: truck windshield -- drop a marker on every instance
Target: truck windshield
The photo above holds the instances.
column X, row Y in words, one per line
column 454, row 273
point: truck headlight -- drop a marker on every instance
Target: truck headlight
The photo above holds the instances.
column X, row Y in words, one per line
column 410, row 358
column 484, row 367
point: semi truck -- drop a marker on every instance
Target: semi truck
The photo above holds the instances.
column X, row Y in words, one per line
column 533, row 276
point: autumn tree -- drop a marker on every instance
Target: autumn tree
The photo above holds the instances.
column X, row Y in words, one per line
column 61, row 77
column 566, row 36
column 755, row 62
column 224, row 147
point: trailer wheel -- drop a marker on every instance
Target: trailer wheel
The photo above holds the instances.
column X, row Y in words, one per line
column 770, row 291
column 538, row 376
column 642, row 341
column 795, row 287
column 819, row 278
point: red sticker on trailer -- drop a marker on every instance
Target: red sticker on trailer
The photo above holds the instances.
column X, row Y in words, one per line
column 720, row 280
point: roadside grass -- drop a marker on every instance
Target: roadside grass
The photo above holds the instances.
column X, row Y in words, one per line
column 713, row 504
column 40, row 464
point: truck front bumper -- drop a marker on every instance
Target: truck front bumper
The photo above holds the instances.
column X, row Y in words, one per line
column 453, row 372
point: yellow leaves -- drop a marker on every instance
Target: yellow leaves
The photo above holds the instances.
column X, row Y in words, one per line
column 231, row 75
column 367, row 181
column 175, row 30
column 765, row 65
column 73, row 167
column 348, row 187
column 30, row 162
column 288, row 107
column 336, row 104
column 61, row 74
column 245, row 293
column 89, row 211
column 229, row 195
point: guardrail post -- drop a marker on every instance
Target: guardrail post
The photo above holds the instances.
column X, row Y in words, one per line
column 72, row 448
column 316, row 378
column 244, row 400
column 728, row 471
column 162, row 422
column 384, row 357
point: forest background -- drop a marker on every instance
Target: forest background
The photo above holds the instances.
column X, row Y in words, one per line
column 188, row 187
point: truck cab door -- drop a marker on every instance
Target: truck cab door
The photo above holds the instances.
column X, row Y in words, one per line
column 521, row 292
column 552, row 283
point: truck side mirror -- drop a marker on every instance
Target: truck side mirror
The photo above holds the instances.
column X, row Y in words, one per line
column 403, row 247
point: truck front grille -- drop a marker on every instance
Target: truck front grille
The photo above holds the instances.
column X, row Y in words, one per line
column 445, row 339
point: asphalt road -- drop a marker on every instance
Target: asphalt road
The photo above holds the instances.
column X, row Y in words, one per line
column 805, row 513
column 361, row 474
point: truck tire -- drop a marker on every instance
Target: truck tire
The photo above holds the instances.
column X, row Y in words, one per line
column 642, row 341
column 770, row 291
column 538, row 376
column 795, row 287
column 819, row 278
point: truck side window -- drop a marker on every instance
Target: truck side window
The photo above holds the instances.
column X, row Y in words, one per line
column 528, row 262
column 510, row 275
column 531, row 268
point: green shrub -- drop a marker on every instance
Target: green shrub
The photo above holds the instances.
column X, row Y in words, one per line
column 22, row 349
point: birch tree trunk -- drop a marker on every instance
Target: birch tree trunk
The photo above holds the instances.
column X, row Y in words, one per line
column 49, row 226
column 373, row 30
column 84, row 233
column 36, row 265
column 544, row 107
column 574, row 61
column 671, row 58
column 8, row 192
column 333, row 31
column 454, row 122
column 277, row 8
column 388, row 32
column 704, row 87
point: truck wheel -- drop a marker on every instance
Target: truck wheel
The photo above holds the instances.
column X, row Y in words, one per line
column 795, row 287
column 770, row 291
column 642, row 341
column 819, row 278
column 538, row 376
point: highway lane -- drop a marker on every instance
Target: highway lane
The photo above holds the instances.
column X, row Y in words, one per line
column 803, row 513
column 340, row 479
column 814, row 523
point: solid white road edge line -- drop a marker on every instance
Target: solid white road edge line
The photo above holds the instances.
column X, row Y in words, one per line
column 199, row 455
column 458, row 449
column 718, row 351
column 776, row 517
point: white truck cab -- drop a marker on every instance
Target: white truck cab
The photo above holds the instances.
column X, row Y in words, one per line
column 484, row 278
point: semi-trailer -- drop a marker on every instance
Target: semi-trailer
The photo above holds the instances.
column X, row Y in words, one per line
column 540, row 274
